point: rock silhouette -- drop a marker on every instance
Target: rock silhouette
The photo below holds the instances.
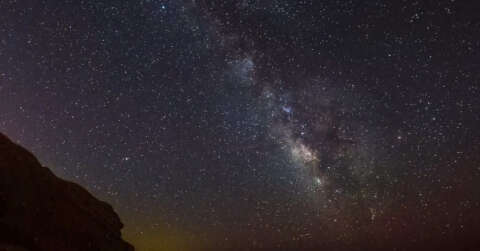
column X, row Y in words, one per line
column 39, row 211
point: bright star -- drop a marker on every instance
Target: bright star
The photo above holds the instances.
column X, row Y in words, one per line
column 287, row 109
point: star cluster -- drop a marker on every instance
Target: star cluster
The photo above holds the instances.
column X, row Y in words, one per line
column 212, row 125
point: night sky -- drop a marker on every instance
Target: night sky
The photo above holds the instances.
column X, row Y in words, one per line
column 212, row 125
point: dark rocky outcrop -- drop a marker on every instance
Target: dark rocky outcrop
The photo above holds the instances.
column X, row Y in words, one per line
column 39, row 211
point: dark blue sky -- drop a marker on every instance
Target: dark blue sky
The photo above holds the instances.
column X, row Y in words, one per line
column 291, row 124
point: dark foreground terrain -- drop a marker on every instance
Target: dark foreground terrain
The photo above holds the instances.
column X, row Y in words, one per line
column 39, row 211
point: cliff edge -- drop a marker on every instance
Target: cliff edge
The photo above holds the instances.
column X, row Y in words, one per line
column 39, row 211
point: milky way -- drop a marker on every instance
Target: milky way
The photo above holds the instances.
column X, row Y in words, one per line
column 212, row 125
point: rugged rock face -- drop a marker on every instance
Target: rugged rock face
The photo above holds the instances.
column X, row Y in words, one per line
column 39, row 211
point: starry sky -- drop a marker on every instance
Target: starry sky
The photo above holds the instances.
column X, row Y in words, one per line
column 244, row 125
